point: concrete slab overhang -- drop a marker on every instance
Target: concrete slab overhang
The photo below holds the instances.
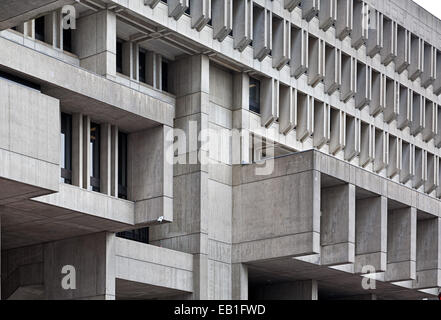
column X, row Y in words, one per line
column 79, row 90
column 314, row 205
column 13, row 13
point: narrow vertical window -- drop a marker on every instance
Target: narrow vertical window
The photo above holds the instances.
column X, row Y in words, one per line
column 122, row 165
column 119, row 56
column 66, row 148
column 164, row 76
column 254, row 95
column 67, row 40
column 95, row 156
column 39, row 29
column 142, row 66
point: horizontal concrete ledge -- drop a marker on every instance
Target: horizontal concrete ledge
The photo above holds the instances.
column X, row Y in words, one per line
column 79, row 89
column 155, row 266
column 342, row 171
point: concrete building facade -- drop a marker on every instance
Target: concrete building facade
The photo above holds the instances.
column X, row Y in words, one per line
column 220, row 149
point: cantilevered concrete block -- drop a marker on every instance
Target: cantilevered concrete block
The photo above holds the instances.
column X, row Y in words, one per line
column 430, row 121
column 305, row 116
column 281, row 42
column 360, row 30
column 242, row 23
column 378, row 93
column 310, row 9
column 348, row 77
column 316, row 52
column 394, row 156
column 392, row 104
column 371, row 234
column 288, row 109
column 290, row 5
column 353, row 138
column 222, row 19
column 375, row 40
column 428, row 261
column 407, row 161
column 327, row 14
column 389, row 50
column 381, row 150
column 200, row 11
column 417, row 57
column 151, row 3
column 263, row 32
column 401, row 245
column 321, row 124
column 299, row 46
column 402, row 60
column 405, row 109
column 176, row 8
column 337, row 225
column 418, row 114
column 432, row 166
column 429, row 74
column 337, row 140
column 345, row 18
column 269, row 99
column 364, row 85
column 332, row 69
column 367, row 145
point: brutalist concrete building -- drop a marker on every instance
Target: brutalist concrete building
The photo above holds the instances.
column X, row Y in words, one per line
column 220, row 149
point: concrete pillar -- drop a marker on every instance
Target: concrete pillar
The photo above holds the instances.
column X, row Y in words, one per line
column 310, row 8
column 402, row 60
column 337, row 225
column 348, row 77
column 352, row 138
column 428, row 261
column 378, row 91
column 105, row 159
column 77, row 149
column 401, row 245
column 392, row 104
column 299, row 52
column 86, row 153
column 288, row 109
column 239, row 281
column 418, row 114
column 360, row 29
column 345, row 19
column 241, row 103
column 281, row 51
column 114, row 162
column 127, row 54
column 262, row 32
column 299, row 290
column 389, row 50
column 95, row 42
column 429, row 74
column 269, row 101
column 305, row 116
column 417, row 57
column 363, row 96
column 333, row 69
column 405, row 108
column 176, row 8
column 242, row 23
column 337, row 138
column 222, row 19
column 316, row 59
column 371, row 234
column 200, row 13
column 430, row 120
column 321, row 124
column 328, row 14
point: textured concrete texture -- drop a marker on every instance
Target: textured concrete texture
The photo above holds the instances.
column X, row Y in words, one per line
column 349, row 126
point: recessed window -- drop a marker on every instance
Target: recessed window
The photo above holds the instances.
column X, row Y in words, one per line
column 254, row 95
column 165, row 75
column 39, row 29
column 67, row 40
column 122, row 165
column 66, row 148
column 142, row 66
column 139, row 235
column 95, row 167
column 119, row 56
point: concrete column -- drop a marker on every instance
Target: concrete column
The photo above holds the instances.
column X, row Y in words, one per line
column 95, row 42
column 327, row 14
column 239, row 281
column 371, row 234
column 242, row 23
column 299, row 52
column 105, row 159
column 321, row 124
column 299, row 290
column 86, row 153
column 428, row 261
column 316, row 59
column 305, row 117
column 389, row 50
column 269, row 101
column 281, row 52
column 392, row 104
column 288, row 109
column 378, row 91
column 241, row 104
column 337, row 137
column 262, row 32
column 310, row 8
column 360, row 30
column 417, row 57
column 337, row 225
column 348, row 77
column 222, row 19
column 114, row 162
column 352, row 137
column 127, row 54
column 363, row 96
column 405, row 108
column 77, row 149
column 333, row 69
column 345, row 19
column 200, row 13
column 402, row 60
column 176, row 8
column 401, row 245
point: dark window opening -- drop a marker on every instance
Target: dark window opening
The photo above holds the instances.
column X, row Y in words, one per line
column 39, row 29
column 66, row 148
column 122, row 165
column 165, row 76
column 119, row 56
column 139, row 235
column 95, row 167
column 67, row 40
column 254, row 95
column 142, row 66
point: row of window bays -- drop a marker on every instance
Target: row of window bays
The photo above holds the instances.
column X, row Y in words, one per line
column 272, row 35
